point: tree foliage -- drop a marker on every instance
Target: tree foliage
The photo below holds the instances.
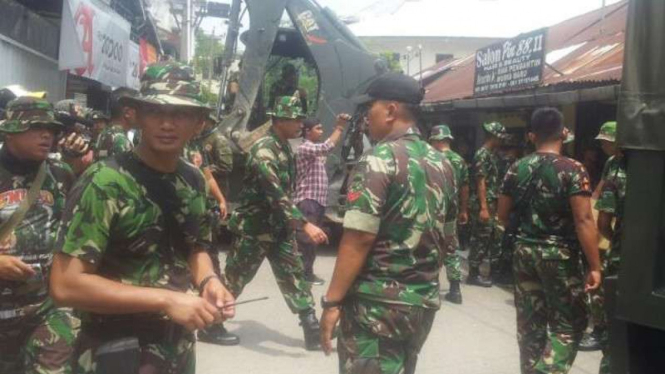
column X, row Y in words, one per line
column 208, row 47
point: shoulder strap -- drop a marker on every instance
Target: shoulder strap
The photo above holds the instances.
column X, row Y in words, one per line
column 161, row 194
column 530, row 189
column 23, row 208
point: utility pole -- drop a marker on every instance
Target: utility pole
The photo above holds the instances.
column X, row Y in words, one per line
column 186, row 33
column 420, row 55
column 602, row 19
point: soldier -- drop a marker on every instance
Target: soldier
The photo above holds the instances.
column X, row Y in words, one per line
column 113, row 139
column 611, row 207
column 35, row 336
column 551, row 196
column 385, row 286
column 607, row 138
column 485, row 235
column 217, row 150
column 440, row 139
column 135, row 238
column 591, row 341
column 267, row 217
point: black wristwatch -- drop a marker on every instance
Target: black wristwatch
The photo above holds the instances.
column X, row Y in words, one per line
column 325, row 304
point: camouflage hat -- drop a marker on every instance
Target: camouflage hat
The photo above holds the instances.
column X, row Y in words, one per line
column 288, row 107
column 25, row 112
column 95, row 115
column 441, row 132
column 570, row 137
column 608, row 131
column 496, row 129
column 169, row 83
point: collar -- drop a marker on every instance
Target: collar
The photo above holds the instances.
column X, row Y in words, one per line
column 411, row 132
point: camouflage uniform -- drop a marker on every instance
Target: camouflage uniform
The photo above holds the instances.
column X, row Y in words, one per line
column 35, row 336
column 611, row 201
column 403, row 191
column 485, row 237
column 453, row 262
column 265, row 221
column 219, row 154
column 112, row 224
column 111, row 141
column 549, row 285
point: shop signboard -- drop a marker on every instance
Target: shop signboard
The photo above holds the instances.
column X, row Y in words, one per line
column 512, row 64
column 94, row 42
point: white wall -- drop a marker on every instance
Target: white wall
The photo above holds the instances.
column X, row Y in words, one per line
column 457, row 46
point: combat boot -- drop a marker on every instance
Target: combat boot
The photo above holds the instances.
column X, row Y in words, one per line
column 590, row 341
column 311, row 329
column 474, row 279
column 454, row 295
column 217, row 334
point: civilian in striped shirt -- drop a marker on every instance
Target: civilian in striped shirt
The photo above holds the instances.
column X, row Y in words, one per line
column 312, row 183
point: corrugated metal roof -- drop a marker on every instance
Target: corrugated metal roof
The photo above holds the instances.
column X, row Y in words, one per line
column 582, row 49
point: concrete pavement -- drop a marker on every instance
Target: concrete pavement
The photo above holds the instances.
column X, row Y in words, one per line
column 477, row 337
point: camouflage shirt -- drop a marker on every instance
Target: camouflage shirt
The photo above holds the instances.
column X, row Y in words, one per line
column 111, row 141
column 486, row 165
column 218, row 151
column 111, row 222
column 32, row 240
column 611, row 167
column 459, row 167
column 612, row 197
column 547, row 219
column 266, row 201
column 401, row 191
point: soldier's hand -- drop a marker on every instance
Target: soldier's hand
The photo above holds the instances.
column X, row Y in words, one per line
column 216, row 294
column 484, row 216
column 342, row 120
column 463, row 218
column 329, row 320
column 223, row 210
column 190, row 311
column 593, row 280
column 315, row 233
column 13, row 269
column 74, row 144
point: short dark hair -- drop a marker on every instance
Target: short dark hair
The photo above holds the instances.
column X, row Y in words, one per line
column 309, row 124
column 547, row 123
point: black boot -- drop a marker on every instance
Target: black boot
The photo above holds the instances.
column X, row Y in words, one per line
column 454, row 295
column 475, row 279
column 590, row 341
column 217, row 334
column 311, row 329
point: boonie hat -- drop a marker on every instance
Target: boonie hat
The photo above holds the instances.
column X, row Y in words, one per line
column 496, row 129
column 608, row 131
column 169, row 83
column 393, row 87
column 23, row 113
column 441, row 132
column 288, row 107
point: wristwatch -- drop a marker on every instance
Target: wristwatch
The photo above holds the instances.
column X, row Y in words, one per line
column 325, row 304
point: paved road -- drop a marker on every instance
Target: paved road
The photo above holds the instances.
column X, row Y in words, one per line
column 477, row 337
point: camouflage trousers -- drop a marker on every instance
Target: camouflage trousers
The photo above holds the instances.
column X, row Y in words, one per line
column 380, row 338
column 42, row 343
column 485, row 241
column 551, row 314
column 248, row 254
column 178, row 357
column 453, row 264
